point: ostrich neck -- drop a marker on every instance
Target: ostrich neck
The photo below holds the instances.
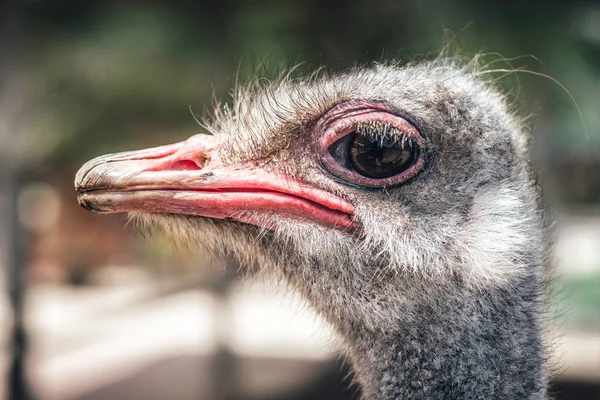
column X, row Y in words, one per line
column 484, row 345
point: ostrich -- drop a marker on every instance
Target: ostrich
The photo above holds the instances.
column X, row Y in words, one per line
column 397, row 200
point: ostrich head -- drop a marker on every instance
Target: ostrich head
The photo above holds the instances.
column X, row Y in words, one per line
column 397, row 200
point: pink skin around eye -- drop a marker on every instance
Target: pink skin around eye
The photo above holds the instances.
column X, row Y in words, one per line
column 344, row 119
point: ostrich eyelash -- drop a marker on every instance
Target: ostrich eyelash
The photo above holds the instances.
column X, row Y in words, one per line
column 381, row 131
column 377, row 131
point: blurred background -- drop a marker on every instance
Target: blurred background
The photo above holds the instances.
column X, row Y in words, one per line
column 90, row 310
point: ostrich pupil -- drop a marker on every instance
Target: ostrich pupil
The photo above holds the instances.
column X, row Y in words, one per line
column 378, row 158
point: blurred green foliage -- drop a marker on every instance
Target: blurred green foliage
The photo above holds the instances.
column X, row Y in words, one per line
column 579, row 300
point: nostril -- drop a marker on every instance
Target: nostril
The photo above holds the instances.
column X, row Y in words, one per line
column 179, row 163
column 187, row 165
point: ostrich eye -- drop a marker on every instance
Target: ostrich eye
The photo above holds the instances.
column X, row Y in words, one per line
column 372, row 148
column 379, row 158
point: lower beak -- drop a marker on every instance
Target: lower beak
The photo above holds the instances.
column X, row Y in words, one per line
column 189, row 178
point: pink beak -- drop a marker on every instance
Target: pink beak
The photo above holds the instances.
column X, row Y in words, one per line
column 189, row 178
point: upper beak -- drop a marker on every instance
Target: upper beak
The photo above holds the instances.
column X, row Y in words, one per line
column 190, row 178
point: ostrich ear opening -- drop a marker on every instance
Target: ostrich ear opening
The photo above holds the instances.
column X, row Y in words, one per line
column 189, row 178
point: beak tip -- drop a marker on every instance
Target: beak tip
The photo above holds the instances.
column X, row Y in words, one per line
column 88, row 203
column 81, row 174
column 85, row 202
